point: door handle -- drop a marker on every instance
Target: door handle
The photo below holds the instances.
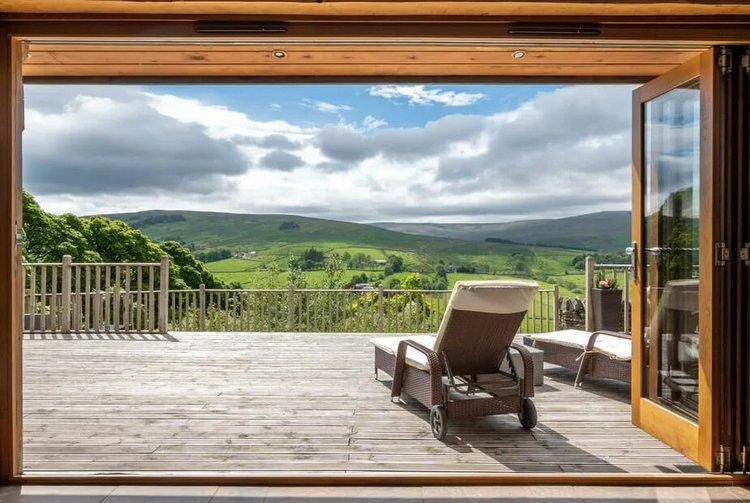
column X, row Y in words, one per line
column 655, row 250
column 632, row 250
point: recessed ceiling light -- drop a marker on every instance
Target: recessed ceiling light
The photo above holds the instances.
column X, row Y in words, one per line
column 518, row 54
column 279, row 54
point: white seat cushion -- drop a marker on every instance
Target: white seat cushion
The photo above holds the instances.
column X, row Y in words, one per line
column 413, row 357
column 614, row 347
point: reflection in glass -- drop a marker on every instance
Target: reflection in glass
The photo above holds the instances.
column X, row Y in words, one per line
column 671, row 211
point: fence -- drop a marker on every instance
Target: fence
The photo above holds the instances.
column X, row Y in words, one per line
column 329, row 310
column 70, row 297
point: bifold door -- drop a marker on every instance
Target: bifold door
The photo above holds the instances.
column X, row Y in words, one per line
column 674, row 229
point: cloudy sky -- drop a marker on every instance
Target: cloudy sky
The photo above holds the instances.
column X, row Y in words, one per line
column 441, row 153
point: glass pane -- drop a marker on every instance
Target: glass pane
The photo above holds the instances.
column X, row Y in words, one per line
column 671, row 199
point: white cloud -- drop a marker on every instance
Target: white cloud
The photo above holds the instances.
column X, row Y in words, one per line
column 421, row 95
column 562, row 152
column 369, row 123
column 329, row 108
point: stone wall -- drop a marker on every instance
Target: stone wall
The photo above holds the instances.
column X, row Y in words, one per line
column 572, row 313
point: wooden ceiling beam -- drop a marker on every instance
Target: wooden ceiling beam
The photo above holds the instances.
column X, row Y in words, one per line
column 341, row 60
column 628, row 8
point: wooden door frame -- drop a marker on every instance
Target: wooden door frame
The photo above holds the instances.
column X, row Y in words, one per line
column 12, row 36
column 697, row 441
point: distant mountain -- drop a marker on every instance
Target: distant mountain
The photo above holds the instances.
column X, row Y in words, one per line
column 277, row 237
column 207, row 230
column 606, row 230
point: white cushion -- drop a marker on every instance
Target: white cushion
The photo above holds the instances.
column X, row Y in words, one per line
column 488, row 296
column 493, row 296
column 413, row 357
column 614, row 347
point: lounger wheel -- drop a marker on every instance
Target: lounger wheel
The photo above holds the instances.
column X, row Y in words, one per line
column 439, row 421
column 527, row 416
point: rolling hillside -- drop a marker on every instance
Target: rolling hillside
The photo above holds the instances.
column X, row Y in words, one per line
column 607, row 230
column 275, row 237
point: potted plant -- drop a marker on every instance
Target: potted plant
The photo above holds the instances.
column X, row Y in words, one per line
column 606, row 300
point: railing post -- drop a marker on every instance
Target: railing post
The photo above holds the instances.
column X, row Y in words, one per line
column 381, row 318
column 589, row 280
column 290, row 308
column 202, row 308
column 65, row 294
column 163, row 294
column 556, row 313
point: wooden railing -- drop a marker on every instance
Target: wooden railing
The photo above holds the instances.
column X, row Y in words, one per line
column 329, row 310
column 67, row 297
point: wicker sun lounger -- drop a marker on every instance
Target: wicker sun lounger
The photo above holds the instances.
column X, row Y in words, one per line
column 602, row 353
column 456, row 374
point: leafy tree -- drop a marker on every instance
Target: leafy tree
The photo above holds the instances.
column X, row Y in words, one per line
column 312, row 259
column 214, row 255
column 100, row 239
column 393, row 264
column 334, row 271
column 296, row 277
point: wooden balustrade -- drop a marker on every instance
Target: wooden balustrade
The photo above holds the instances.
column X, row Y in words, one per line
column 69, row 297
column 329, row 310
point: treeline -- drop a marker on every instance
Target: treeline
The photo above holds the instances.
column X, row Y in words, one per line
column 48, row 237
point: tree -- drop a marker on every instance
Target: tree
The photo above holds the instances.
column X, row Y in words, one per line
column 312, row 259
column 334, row 271
column 295, row 277
column 393, row 264
column 100, row 239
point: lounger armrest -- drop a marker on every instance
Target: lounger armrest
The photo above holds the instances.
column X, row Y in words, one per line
column 528, row 368
column 592, row 339
column 436, row 370
column 429, row 353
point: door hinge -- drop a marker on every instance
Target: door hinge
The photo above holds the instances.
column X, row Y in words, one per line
column 725, row 61
column 722, row 253
column 745, row 254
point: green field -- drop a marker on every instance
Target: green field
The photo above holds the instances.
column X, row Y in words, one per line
column 245, row 272
column 274, row 238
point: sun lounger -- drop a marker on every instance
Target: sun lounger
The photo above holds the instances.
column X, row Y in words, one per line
column 602, row 353
column 456, row 374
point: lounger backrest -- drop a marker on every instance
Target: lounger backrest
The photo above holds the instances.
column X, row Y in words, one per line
column 480, row 322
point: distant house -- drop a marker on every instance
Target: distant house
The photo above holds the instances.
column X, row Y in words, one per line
column 246, row 255
column 363, row 286
column 380, row 261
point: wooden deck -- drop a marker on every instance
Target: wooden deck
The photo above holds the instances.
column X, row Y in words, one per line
column 293, row 402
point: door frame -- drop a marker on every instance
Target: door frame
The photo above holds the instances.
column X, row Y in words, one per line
column 11, row 102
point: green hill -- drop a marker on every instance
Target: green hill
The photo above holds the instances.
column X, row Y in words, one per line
column 606, row 230
column 276, row 237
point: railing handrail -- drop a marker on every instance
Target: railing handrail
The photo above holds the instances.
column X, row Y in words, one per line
column 322, row 290
column 93, row 264
column 613, row 266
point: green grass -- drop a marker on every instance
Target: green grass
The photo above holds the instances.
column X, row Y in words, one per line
column 262, row 234
column 246, row 273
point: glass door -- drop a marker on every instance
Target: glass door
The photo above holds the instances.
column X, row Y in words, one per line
column 672, row 233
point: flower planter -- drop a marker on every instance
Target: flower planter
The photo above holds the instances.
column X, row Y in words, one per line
column 607, row 306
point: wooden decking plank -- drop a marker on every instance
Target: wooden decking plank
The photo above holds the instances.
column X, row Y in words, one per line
column 295, row 402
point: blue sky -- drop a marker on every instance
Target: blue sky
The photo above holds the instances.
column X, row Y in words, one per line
column 294, row 101
column 364, row 152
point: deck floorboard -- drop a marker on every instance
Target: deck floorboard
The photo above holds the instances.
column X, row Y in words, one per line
column 294, row 402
